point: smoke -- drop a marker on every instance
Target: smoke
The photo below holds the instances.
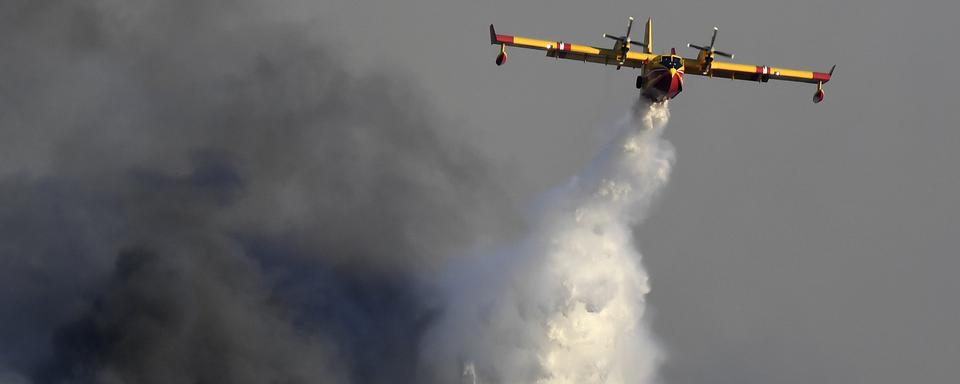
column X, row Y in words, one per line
column 566, row 305
column 193, row 193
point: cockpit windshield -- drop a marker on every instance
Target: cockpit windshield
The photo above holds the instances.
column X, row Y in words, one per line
column 671, row 62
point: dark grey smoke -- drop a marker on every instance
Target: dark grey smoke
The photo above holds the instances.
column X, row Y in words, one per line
column 192, row 193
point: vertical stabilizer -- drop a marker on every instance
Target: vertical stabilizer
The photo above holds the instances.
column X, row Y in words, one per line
column 648, row 37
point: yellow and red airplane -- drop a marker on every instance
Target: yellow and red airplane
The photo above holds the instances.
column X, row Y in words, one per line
column 662, row 76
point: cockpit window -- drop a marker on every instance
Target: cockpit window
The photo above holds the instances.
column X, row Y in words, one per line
column 671, row 62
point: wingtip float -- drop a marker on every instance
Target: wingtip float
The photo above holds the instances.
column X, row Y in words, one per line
column 661, row 75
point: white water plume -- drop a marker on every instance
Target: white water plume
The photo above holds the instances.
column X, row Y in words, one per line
column 567, row 304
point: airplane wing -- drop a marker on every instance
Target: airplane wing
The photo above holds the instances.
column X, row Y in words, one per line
column 753, row 72
column 562, row 50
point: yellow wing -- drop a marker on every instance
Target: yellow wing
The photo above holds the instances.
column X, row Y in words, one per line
column 562, row 50
column 753, row 72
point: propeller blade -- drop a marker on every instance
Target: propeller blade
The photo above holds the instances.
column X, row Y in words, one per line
column 617, row 38
column 698, row 47
column 637, row 43
column 714, row 38
column 629, row 27
column 724, row 54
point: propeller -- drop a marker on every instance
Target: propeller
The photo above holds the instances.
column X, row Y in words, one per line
column 624, row 38
column 624, row 42
column 709, row 49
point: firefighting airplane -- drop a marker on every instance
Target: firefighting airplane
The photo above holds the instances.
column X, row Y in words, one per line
column 662, row 76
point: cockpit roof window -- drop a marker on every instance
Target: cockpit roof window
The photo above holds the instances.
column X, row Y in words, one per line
column 671, row 62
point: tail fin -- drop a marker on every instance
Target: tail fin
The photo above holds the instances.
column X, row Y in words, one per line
column 648, row 37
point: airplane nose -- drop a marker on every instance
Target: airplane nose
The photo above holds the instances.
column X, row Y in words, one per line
column 669, row 83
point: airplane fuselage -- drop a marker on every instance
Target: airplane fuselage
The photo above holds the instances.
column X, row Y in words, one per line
column 662, row 78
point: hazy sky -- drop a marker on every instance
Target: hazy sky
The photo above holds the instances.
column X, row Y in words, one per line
column 797, row 243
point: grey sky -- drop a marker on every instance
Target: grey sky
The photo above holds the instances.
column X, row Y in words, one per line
column 797, row 242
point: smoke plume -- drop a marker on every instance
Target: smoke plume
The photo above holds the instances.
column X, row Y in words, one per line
column 566, row 305
column 193, row 193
